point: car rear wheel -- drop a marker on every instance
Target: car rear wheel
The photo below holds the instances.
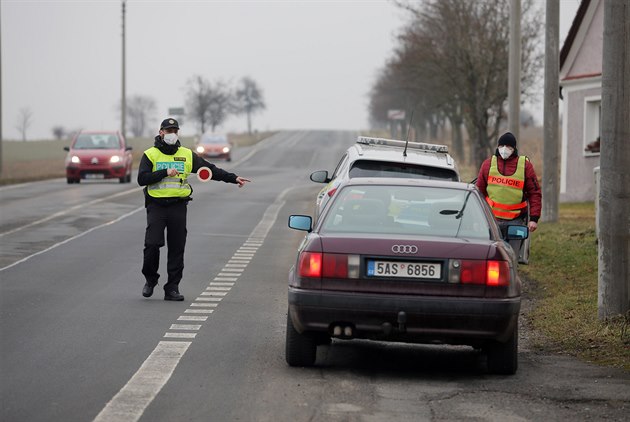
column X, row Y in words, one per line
column 301, row 349
column 503, row 357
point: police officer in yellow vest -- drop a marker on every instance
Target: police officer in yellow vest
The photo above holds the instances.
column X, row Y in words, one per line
column 163, row 171
column 509, row 183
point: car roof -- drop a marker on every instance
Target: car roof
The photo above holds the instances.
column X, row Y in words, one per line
column 391, row 150
column 394, row 181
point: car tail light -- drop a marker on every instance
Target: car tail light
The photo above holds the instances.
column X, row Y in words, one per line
column 489, row 273
column 335, row 266
column 310, row 264
column 498, row 273
column 328, row 265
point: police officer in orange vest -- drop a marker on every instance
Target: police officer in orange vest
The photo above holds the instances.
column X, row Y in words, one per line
column 509, row 183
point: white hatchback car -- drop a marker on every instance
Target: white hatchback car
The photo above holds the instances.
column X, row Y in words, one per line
column 381, row 157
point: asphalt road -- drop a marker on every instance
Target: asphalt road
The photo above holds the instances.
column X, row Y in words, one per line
column 80, row 343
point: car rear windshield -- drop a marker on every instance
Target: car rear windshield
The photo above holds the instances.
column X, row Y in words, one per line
column 96, row 141
column 367, row 168
column 409, row 210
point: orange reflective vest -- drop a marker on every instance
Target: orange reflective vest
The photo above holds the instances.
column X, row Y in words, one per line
column 505, row 193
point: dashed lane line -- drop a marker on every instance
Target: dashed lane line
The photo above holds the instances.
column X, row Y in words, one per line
column 131, row 401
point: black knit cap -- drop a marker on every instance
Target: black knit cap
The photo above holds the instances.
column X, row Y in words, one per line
column 507, row 139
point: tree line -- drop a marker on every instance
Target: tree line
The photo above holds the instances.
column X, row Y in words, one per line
column 451, row 65
column 207, row 103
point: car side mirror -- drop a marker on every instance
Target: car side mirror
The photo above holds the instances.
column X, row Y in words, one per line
column 517, row 233
column 66, row 148
column 320, row 176
column 301, row 222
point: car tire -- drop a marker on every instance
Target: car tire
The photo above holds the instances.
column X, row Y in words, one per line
column 300, row 349
column 70, row 181
column 503, row 357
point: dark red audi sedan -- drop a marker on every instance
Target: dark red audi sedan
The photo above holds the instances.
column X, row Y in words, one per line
column 98, row 155
column 405, row 260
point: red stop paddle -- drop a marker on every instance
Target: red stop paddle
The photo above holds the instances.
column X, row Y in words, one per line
column 204, row 174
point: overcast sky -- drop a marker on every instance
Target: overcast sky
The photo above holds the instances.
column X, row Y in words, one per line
column 315, row 60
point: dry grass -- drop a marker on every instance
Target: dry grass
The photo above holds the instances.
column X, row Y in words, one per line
column 563, row 268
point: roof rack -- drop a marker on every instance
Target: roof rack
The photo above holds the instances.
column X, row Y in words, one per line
column 368, row 140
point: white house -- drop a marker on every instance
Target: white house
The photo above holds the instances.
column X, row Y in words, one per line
column 581, row 90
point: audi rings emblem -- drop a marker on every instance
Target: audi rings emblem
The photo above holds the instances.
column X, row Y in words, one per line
column 404, row 249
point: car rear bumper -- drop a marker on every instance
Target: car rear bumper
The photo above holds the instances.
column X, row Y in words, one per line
column 221, row 156
column 452, row 320
column 96, row 172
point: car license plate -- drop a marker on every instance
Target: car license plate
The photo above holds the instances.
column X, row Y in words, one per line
column 429, row 270
column 94, row 176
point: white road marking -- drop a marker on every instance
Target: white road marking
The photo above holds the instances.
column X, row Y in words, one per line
column 192, row 318
column 130, row 402
column 189, row 327
column 235, row 265
column 233, row 270
column 219, row 288
column 226, row 278
column 63, row 242
column 180, row 335
column 76, row 207
column 228, row 274
column 213, row 294
column 209, row 299
column 204, row 305
column 199, row 311
column 212, row 283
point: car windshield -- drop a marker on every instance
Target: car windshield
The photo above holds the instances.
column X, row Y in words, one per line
column 96, row 141
column 367, row 168
column 409, row 210
column 214, row 139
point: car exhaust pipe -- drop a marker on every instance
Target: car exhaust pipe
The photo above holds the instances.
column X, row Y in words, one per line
column 343, row 331
column 402, row 321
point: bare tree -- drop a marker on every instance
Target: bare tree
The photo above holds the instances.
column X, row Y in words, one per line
column 24, row 121
column 249, row 100
column 221, row 103
column 58, row 132
column 140, row 112
column 454, row 57
column 208, row 103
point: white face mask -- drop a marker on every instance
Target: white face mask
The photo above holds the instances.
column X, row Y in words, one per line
column 170, row 138
column 505, row 152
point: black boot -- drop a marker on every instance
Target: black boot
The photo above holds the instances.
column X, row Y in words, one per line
column 173, row 295
column 147, row 290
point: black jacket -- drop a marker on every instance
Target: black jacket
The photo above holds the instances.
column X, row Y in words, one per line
column 146, row 175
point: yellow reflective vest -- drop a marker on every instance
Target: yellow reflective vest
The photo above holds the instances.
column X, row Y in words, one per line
column 171, row 187
column 505, row 193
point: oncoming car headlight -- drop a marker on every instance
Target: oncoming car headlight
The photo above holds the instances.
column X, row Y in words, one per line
column 115, row 159
column 75, row 159
column 226, row 150
column 200, row 149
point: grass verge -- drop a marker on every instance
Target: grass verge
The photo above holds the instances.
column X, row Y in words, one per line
column 563, row 280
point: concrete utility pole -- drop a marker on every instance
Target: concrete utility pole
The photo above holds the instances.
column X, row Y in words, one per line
column 614, row 196
column 514, row 69
column 123, row 105
column 551, row 150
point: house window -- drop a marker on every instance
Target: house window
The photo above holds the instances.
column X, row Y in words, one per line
column 592, row 125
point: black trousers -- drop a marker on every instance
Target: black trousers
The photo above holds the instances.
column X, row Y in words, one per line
column 173, row 219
